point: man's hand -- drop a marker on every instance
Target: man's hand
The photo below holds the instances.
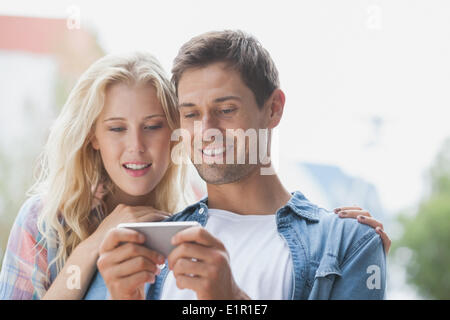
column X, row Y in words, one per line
column 126, row 265
column 364, row 216
column 201, row 263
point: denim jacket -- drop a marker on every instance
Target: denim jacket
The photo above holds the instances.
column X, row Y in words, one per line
column 332, row 257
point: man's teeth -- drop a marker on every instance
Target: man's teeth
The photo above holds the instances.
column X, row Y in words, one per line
column 214, row 152
column 133, row 166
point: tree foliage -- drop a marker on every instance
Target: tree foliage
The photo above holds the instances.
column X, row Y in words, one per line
column 427, row 234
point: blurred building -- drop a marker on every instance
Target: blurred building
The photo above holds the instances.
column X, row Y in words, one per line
column 40, row 60
column 329, row 187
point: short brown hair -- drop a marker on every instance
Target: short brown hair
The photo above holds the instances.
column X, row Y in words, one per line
column 241, row 51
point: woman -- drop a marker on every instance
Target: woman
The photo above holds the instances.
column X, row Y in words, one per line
column 110, row 145
column 107, row 161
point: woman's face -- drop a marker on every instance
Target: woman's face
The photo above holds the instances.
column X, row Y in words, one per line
column 133, row 137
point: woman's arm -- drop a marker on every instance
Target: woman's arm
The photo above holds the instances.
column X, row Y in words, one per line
column 74, row 278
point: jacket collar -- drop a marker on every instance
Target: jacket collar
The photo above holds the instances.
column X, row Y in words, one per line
column 298, row 203
column 303, row 207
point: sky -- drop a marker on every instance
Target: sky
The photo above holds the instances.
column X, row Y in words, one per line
column 366, row 81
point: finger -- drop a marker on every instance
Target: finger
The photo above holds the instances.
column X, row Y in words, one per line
column 152, row 217
column 144, row 210
column 384, row 238
column 130, row 250
column 197, row 234
column 188, row 282
column 188, row 251
column 353, row 213
column 140, row 211
column 132, row 282
column 190, row 268
column 134, row 265
column 370, row 221
column 117, row 235
column 346, row 208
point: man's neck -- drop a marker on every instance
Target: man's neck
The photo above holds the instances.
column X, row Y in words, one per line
column 255, row 194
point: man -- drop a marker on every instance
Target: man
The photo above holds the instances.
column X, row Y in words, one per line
column 258, row 241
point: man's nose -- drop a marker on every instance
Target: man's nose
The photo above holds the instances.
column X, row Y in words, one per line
column 210, row 127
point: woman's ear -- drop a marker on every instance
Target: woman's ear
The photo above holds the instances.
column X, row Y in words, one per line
column 94, row 142
column 276, row 107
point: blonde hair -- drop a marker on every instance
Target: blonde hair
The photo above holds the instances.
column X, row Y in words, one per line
column 71, row 170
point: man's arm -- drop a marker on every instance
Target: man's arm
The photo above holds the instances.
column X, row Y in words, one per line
column 360, row 275
column 363, row 272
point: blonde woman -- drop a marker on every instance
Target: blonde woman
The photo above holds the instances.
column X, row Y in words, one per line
column 107, row 161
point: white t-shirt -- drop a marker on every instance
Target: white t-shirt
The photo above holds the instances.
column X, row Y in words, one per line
column 259, row 256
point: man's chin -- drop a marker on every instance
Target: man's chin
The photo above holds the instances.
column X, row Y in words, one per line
column 218, row 174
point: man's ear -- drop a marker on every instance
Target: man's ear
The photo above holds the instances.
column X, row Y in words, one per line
column 275, row 108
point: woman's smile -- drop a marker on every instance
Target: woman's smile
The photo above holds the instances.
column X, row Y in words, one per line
column 137, row 169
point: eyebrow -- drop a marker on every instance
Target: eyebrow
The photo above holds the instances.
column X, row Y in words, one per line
column 217, row 100
column 146, row 118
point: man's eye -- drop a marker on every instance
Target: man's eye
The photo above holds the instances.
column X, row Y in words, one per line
column 227, row 111
column 117, row 129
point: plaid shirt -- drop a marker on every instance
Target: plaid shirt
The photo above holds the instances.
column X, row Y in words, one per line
column 24, row 272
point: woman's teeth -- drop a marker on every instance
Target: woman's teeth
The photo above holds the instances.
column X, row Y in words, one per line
column 133, row 166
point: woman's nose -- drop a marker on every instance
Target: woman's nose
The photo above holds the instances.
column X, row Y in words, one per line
column 136, row 143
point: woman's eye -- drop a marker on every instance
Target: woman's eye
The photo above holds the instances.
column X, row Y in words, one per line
column 189, row 115
column 153, row 127
column 117, row 129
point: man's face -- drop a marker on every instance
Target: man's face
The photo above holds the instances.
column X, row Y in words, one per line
column 215, row 97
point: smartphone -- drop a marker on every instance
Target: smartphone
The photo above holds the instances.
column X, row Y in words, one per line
column 159, row 234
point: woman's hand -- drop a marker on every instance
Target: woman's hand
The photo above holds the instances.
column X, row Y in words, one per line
column 364, row 216
column 126, row 214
